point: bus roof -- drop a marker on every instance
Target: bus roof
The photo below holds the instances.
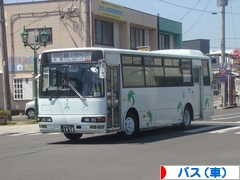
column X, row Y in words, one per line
column 167, row 52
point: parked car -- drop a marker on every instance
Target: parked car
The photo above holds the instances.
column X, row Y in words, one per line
column 29, row 110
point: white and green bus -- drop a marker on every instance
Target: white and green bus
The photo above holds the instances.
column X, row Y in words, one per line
column 104, row 90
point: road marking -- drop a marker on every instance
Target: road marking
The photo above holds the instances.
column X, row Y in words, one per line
column 237, row 133
column 34, row 134
column 19, row 134
column 232, row 117
column 225, row 130
column 215, row 119
column 53, row 133
column 201, row 129
column 224, row 115
column 29, row 134
column 212, row 122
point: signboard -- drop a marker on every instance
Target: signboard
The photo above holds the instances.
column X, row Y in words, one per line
column 21, row 64
column 236, row 53
column 223, row 78
column 222, row 70
column 70, row 56
column 110, row 10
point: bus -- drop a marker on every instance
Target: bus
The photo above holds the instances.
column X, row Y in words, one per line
column 105, row 90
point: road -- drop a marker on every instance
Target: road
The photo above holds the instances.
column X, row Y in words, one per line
column 31, row 155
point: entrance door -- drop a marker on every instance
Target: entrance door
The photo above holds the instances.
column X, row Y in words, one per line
column 113, row 119
column 196, row 94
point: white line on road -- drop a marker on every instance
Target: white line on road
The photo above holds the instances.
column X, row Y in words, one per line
column 34, row 134
column 237, row 133
column 19, row 134
column 225, row 130
column 202, row 129
column 53, row 133
column 212, row 122
column 232, row 117
column 224, row 115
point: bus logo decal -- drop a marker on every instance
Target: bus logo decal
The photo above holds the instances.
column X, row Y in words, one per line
column 179, row 107
column 66, row 106
column 149, row 115
column 131, row 97
column 206, row 103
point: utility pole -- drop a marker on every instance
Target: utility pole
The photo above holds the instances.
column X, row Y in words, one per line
column 84, row 8
column 223, row 3
column 4, row 57
column 88, row 32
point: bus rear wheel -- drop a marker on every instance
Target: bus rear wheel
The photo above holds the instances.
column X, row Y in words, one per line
column 186, row 118
column 131, row 126
column 73, row 137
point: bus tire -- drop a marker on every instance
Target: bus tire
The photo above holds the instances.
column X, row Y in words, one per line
column 186, row 118
column 73, row 137
column 131, row 126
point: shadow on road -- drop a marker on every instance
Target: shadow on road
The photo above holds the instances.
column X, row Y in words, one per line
column 143, row 137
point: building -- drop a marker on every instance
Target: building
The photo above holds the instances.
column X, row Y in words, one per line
column 199, row 44
column 77, row 23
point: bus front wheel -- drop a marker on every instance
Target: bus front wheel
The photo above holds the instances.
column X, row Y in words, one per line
column 131, row 126
column 186, row 118
column 73, row 137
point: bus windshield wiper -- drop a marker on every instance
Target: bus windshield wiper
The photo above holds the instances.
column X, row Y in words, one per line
column 73, row 88
column 50, row 99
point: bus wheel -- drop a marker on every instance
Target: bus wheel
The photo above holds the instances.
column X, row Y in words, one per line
column 186, row 118
column 131, row 126
column 73, row 137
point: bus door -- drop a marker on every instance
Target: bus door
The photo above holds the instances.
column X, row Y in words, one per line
column 113, row 119
column 196, row 93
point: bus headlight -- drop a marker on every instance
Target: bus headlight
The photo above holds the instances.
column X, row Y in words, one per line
column 44, row 119
column 93, row 119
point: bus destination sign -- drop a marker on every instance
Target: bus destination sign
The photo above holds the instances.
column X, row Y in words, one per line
column 74, row 56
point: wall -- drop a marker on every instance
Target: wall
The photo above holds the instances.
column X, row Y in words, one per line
column 198, row 44
column 69, row 29
column 172, row 28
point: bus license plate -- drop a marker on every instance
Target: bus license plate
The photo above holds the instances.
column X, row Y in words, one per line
column 67, row 128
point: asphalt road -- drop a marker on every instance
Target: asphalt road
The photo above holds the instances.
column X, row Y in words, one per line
column 31, row 155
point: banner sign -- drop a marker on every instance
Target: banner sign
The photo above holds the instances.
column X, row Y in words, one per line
column 110, row 10
column 21, row 64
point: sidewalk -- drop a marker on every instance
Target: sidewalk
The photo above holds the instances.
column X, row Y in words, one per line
column 19, row 124
column 21, row 118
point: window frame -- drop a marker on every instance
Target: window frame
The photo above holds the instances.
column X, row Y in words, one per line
column 164, row 41
column 109, row 32
column 133, row 37
column 22, row 88
column 162, row 82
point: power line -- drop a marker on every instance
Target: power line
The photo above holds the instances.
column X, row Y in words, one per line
column 197, row 19
column 190, row 10
column 195, row 9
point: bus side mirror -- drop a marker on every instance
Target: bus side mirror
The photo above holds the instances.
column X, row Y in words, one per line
column 94, row 69
column 102, row 71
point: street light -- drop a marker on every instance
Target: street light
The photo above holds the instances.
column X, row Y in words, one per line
column 44, row 40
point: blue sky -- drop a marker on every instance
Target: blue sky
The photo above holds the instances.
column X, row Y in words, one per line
column 196, row 17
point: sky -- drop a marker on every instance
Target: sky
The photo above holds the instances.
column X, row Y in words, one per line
column 201, row 19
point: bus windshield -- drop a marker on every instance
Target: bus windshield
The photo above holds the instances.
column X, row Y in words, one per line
column 57, row 80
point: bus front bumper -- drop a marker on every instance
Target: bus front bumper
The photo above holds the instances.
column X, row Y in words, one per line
column 86, row 128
